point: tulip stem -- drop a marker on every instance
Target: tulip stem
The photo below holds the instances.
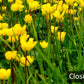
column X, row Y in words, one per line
column 15, row 74
column 46, row 21
column 34, row 19
column 1, row 7
column 67, row 29
column 16, row 17
column 13, row 20
column 53, row 41
column 63, row 1
column 12, row 63
column 30, row 13
column 46, row 24
column 25, row 1
column 1, row 81
column 28, row 75
column 30, row 25
column 29, row 29
column 50, row 21
column 49, row 36
column 6, row 5
column 49, row 44
column 26, row 68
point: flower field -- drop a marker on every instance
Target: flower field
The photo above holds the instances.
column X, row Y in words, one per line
column 41, row 41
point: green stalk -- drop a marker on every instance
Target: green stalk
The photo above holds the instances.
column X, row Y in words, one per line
column 54, row 51
column 68, row 61
column 49, row 47
column 1, row 7
column 67, row 29
column 6, row 43
column 80, row 58
column 40, row 62
column 76, row 28
column 35, row 33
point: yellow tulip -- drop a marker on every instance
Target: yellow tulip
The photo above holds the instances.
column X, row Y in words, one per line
column 44, row 44
column 61, row 36
column 4, row 74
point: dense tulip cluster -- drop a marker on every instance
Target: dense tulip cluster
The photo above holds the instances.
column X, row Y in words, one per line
column 40, row 35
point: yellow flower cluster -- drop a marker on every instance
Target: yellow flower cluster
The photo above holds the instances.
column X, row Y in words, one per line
column 29, row 60
column 3, row 25
column 27, row 45
column 70, row 1
column 17, row 30
column 65, row 7
column 48, row 9
column 17, row 6
column 11, row 55
column 58, row 15
column 61, row 36
column 58, row 9
column 71, row 11
column 81, row 3
column 51, row 1
column 14, row 55
column 4, row 74
column 13, row 39
column 54, row 29
column 29, row 1
column 34, row 5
